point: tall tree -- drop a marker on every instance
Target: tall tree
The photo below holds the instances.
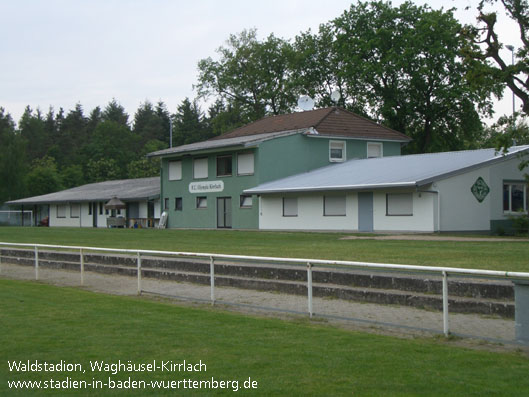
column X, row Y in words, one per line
column 116, row 113
column 408, row 59
column 151, row 123
column 251, row 74
column 488, row 67
column 12, row 159
column 32, row 127
column 189, row 125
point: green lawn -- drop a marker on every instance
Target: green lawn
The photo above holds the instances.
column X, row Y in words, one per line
column 505, row 255
column 50, row 324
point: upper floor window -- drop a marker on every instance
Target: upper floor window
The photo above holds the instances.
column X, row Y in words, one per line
column 515, row 197
column 224, row 165
column 175, row 170
column 336, row 151
column 200, row 168
column 245, row 164
column 374, row 149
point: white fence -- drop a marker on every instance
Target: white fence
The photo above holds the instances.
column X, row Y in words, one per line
column 444, row 272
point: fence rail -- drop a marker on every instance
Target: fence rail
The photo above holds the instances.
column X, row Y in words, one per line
column 444, row 272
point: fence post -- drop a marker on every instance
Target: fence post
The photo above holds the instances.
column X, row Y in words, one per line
column 309, row 287
column 212, row 277
column 139, row 273
column 82, row 265
column 446, row 329
column 36, row 263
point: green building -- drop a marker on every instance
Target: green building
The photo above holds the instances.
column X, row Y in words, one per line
column 202, row 183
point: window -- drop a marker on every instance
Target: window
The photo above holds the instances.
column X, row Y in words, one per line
column 100, row 208
column 334, row 206
column 245, row 164
column 90, row 208
column 75, row 210
column 246, row 201
column 178, row 204
column 290, row 206
column 202, row 202
column 399, row 204
column 515, row 197
column 336, row 151
column 374, row 150
column 175, row 170
column 166, row 203
column 61, row 211
column 224, row 165
column 200, row 168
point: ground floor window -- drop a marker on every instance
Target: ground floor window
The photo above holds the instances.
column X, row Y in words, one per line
column 399, row 204
column 515, row 197
column 75, row 210
column 246, row 201
column 202, row 202
column 334, row 206
column 178, row 203
column 61, row 211
column 166, row 203
column 290, row 206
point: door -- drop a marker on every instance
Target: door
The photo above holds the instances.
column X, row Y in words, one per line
column 365, row 212
column 224, row 212
column 94, row 214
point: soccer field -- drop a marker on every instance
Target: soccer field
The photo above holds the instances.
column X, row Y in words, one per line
column 496, row 255
column 110, row 341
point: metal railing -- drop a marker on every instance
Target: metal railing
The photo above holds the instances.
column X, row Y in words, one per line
column 444, row 272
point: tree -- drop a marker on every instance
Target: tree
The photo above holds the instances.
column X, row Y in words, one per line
column 43, row 177
column 32, row 127
column 251, row 75
column 116, row 113
column 188, row 124
column 484, row 54
column 407, row 60
column 113, row 142
column 151, row 123
column 12, row 159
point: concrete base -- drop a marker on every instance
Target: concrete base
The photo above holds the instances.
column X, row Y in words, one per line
column 521, row 310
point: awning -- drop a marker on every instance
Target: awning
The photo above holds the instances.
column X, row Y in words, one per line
column 115, row 204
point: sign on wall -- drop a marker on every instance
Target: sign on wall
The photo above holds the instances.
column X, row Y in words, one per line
column 206, row 187
column 480, row 189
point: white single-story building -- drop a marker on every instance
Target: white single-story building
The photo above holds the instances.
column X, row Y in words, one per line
column 475, row 190
column 84, row 206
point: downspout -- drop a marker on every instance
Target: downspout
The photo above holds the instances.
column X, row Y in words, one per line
column 438, row 206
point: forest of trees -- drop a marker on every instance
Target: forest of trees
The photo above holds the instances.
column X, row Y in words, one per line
column 411, row 68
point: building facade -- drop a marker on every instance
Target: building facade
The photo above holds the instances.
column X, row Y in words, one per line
column 203, row 184
column 468, row 191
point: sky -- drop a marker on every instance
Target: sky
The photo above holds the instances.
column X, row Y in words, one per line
column 62, row 52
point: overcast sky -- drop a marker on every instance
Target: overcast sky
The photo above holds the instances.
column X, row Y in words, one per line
column 62, row 52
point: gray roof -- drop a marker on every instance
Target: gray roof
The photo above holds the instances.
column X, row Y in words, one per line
column 386, row 172
column 125, row 190
column 242, row 141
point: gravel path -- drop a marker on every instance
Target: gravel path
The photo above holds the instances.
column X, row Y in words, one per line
column 387, row 319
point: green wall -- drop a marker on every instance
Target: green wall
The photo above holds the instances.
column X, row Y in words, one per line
column 273, row 159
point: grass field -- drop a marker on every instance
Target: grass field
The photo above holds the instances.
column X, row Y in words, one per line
column 504, row 255
column 295, row 358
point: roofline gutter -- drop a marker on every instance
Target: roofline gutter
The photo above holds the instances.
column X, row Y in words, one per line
column 349, row 138
column 333, row 188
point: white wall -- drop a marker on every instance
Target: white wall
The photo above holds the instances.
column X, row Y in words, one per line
column 310, row 214
column 460, row 210
column 67, row 220
column 422, row 220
